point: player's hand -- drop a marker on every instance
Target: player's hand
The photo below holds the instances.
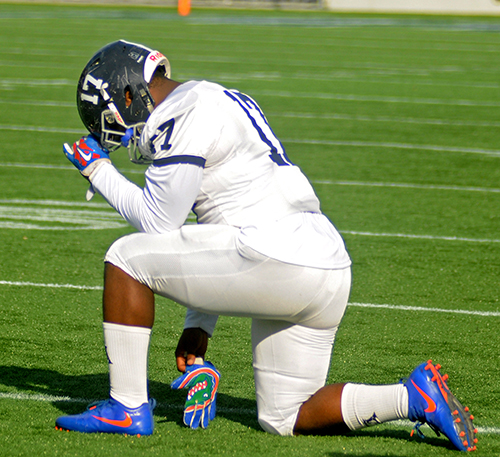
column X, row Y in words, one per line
column 125, row 139
column 192, row 343
column 202, row 382
column 86, row 155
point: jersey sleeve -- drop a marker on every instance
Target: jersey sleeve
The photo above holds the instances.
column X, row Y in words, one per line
column 162, row 205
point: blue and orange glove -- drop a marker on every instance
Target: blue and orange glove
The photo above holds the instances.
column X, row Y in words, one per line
column 202, row 382
column 87, row 155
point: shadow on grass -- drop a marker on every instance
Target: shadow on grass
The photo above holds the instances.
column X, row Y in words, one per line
column 430, row 437
column 71, row 394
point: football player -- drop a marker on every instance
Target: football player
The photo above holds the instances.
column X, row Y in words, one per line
column 261, row 249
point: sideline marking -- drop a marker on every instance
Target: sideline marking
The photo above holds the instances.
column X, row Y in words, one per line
column 363, row 305
column 314, row 95
column 371, row 144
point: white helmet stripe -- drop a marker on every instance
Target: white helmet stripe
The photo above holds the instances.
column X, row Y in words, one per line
column 153, row 61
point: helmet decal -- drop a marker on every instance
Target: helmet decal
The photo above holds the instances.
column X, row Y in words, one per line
column 97, row 83
column 154, row 60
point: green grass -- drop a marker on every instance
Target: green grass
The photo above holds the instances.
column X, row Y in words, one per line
column 395, row 120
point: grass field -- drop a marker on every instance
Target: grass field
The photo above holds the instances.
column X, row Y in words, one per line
column 395, row 120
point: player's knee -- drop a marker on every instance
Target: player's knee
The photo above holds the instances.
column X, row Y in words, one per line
column 277, row 425
column 121, row 251
column 113, row 254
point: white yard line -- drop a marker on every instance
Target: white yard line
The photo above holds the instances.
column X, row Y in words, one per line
column 180, row 407
column 318, row 181
column 42, row 214
column 364, row 144
column 408, row 186
column 386, row 145
column 422, row 237
column 362, row 305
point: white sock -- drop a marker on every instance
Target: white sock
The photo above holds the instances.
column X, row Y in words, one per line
column 364, row 405
column 127, row 348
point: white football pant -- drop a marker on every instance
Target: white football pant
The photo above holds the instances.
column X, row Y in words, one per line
column 295, row 310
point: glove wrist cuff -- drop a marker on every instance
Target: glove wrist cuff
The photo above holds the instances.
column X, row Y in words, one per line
column 90, row 171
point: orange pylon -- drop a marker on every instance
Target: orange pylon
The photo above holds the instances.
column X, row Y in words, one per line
column 184, row 7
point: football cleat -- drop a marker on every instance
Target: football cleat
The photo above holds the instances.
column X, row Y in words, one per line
column 110, row 416
column 431, row 402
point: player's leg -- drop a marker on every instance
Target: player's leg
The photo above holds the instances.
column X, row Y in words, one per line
column 291, row 364
column 132, row 265
column 125, row 300
column 128, row 309
column 343, row 407
column 321, row 414
column 128, row 313
column 204, row 268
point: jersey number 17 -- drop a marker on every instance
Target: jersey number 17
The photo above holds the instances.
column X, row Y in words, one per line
column 259, row 122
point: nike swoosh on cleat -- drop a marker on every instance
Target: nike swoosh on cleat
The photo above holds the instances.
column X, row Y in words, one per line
column 431, row 405
column 127, row 422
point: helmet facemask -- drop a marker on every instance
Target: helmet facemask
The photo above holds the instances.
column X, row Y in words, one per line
column 115, row 136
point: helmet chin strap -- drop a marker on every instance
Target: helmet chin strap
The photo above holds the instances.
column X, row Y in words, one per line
column 146, row 98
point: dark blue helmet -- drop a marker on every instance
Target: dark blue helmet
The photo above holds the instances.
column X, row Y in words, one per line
column 115, row 70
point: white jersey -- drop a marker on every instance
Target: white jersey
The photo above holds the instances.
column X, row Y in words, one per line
column 214, row 152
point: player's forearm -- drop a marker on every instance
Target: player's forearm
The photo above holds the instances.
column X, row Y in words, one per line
column 123, row 195
column 164, row 203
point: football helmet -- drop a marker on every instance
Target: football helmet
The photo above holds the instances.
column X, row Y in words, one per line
column 113, row 94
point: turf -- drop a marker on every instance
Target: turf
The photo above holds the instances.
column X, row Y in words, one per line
column 395, row 121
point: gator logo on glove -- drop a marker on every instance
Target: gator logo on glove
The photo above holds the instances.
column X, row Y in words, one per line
column 202, row 382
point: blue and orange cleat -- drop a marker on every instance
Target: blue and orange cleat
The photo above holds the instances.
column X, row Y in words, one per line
column 110, row 416
column 431, row 402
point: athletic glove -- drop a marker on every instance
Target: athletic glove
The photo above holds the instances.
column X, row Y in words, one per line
column 202, row 382
column 87, row 155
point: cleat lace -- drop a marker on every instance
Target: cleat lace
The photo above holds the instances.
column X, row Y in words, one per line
column 416, row 429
